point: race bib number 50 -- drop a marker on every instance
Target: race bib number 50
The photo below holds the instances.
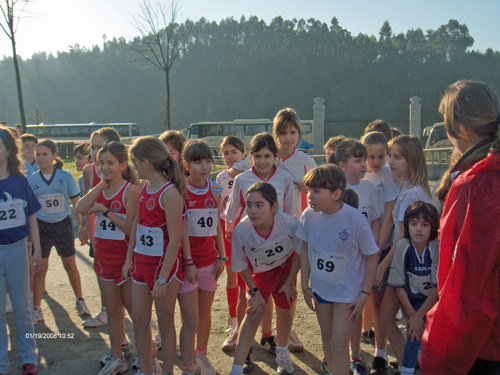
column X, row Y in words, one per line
column 149, row 241
column 52, row 203
column 328, row 266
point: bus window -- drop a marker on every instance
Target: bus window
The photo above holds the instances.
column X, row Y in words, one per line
column 210, row 131
column 237, row 130
column 135, row 131
column 122, row 130
column 253, row 129
column 438, row 137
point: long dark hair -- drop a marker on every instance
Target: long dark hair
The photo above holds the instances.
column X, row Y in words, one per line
column 58, row 163
column 120, row 153
column 14, row 164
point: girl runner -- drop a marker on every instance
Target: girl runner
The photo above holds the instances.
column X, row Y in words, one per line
column 263, row 253
column 55, row 188
column 154, row 259
column 114, row 202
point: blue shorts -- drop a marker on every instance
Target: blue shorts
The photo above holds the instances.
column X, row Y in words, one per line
column 321, row 300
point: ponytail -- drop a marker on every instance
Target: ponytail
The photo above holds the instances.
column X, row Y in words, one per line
column 120, row 153
column 173, row 172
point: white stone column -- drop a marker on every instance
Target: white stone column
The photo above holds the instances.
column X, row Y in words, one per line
column 416, row 117
column 319, row 125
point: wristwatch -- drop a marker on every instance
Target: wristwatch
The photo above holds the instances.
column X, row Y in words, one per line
column 252, row 291
column 161, row 281
column 225, row 259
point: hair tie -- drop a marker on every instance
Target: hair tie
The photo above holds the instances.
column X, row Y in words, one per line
column 169, row 158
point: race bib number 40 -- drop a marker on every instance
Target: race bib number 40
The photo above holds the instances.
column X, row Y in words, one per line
column 327, row 266
column 105, row 228
column 202, row 222
column 52, row 203
column 274, row 252
column 12, row 214
column 149, row 241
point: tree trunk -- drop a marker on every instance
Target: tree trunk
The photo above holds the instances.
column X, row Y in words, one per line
column 18, row 81
column 167, row 117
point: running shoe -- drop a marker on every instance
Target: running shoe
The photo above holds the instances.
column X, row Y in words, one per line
column 358, row 367
column 37, row 315
column 135, row 363
column 203, row 365
column 379, row 366
column 81, row 307
column 269, row 344
column 324, row 367
column 229, row 344
column 99, row 320
column 248, row 365
column 368, row 337
column 285, row 365
column 30, row 369
column 155, row 367
column 114, row 366
column 294, row 343
column 107, row 357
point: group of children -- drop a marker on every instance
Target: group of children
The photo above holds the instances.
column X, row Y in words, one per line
column 163, row 231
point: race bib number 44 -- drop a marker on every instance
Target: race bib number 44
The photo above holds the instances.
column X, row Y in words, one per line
column 105, row 228
column 52, row 203
column 149, row 241
column 327, row 266
column 12, row 214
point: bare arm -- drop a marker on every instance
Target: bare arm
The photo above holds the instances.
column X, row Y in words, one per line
column 35, row 239
column 387, row 224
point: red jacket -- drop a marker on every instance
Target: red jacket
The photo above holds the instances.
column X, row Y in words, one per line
column 465, row 324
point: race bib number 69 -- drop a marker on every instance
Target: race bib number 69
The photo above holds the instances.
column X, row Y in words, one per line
column 328, row 266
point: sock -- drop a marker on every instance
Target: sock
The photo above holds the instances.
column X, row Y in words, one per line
column 236, row 370
column 37, row 307
column 267, row 334
column 124, row 344
column 189, row 368
column 232, row 300
column 201, row 353
column 355, row 356
column 381, row 353
column 281, row 347
column 407, row 371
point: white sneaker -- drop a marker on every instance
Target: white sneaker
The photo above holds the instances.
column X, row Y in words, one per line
column 399, row 315
column 155, row 366
column 8, row 304
column 107, row 357
column 37, row 315
column 285, row 365
column 229, row 344
column 81, row 307
column 203, row 366
column 135, row 364
column 99, row 320
column 114, row 366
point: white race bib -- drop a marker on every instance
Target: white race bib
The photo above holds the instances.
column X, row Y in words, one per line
column 328, row 266
column 52, row 203
column 105, row 228
column 273, row 252
column 420, row 284
column 202, row 222
column 149, row 241
column 12, row 214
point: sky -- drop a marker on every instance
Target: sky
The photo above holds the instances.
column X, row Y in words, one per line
column 55, row 25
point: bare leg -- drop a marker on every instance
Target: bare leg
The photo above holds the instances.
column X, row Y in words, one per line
column 111, row 294
column 141, row 317
column 188, row 303
column 388, row 311
column 69, row 264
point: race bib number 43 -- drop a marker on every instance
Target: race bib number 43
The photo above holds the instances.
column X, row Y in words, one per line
column 328, row 266
column 52, row 203
column 149, row 241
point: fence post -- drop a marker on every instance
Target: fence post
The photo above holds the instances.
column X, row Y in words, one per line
column 415, row 117
column 319, row 125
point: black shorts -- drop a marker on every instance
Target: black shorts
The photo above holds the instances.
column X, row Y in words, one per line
column 383, row 283
column 59, row 235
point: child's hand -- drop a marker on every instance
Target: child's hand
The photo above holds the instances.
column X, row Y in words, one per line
column 381, row 268
column 191, row 274
column 356, row 307
column 229, row 236
column 290, row 292
column 255, row 303
column 219, row 268
column 310, row 299
column 415, row 327
column 159, row 291
column 103, row 184
column 83, row 234
column 127, row 268
column 302, row 187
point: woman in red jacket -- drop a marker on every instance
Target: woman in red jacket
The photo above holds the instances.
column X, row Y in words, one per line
column 462, row 335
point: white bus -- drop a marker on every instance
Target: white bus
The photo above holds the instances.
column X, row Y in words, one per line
column 213, row 132
column 80, row 132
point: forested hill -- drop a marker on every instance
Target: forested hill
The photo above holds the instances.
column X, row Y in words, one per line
column 250, row 69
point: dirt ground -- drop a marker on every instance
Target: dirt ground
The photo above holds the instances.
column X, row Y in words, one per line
column 78, row 353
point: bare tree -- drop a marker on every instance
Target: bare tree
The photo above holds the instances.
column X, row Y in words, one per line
column 11, row 14
column 162, row 40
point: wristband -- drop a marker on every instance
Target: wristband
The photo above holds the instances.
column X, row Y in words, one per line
column 303, row 290
column 107, row 212
column 368, row 294
column 225, row 259
column 189, row 264
column 187, row 259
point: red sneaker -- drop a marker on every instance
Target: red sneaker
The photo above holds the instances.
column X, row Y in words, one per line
column 30, row 369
